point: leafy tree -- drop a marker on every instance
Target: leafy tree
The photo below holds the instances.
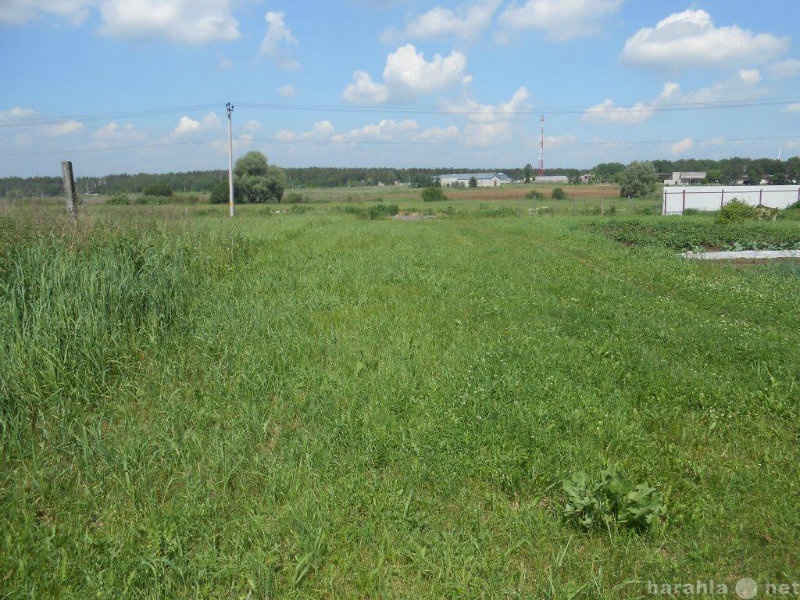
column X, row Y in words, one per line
column 528, row 173
column 793, row 169
column 637, row 180
column 157, row 189
column 220, row 193
column 605, row 172
column 254, row 180
column 433, row 194
column 558, row 194
column 473, row 182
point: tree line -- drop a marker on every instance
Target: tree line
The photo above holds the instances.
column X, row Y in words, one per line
column 726, row 171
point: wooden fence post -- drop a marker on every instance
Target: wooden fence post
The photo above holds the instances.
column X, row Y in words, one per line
column 69, row 189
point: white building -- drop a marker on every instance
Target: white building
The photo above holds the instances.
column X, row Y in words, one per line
column 551, row 179
column 685, row 177
column 463, row 179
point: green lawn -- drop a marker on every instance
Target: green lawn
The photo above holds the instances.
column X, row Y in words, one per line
column 316, row 404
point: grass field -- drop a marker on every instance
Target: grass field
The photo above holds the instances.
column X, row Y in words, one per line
column 303, row 403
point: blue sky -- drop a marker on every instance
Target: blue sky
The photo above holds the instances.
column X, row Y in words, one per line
column 124, row 86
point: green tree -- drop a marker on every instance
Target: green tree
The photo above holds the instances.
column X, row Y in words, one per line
column 606, row 172
column 220, row 192
column 473, row 182
column 637, row 180
column 254, row 180
column 558, row 194
column 433, row 194
column 157, row 189
column 528, row 173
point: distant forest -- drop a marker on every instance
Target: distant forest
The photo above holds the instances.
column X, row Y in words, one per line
column 726, row 171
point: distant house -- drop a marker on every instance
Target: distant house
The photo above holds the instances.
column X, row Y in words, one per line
column 463, row 179
column 585, row 178
column 551, row 179
column 685, row 177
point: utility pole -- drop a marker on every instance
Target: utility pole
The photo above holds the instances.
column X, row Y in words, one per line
column 229, row 108
column 69, row 190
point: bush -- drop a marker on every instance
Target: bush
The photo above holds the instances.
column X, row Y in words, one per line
column 735, row 210
column 534, row 195
column 119, row 200
column 433, row 194
column 293, row 198
column 558, row 194
column 150, row 200
column 157, row 189
column 220, row 193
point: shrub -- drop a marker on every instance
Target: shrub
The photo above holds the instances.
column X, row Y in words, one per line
column 150, row 200
column 294, row 198
column 433, row 194
column 735, row 210
column 119, row 200
column 534, row 195
column 558, row 194
column 220, row 193
column 157, row 189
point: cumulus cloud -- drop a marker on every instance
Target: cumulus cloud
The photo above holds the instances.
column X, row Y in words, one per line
column 15, row 114
column 188, row 127
column 62, row 128
column 114, row 132
column 749, row 76
column 793, row 108
column 287, row 91
column 466, row 21
column 561, row 20
column 183, row 21
column 681, row 147
column 690, row 39
column 322, row 130
column 18, row 12
column 407, row 75
column 491, row 113
column 785, row 69
column 386, row 130
column 278, row 40
column 608, row 112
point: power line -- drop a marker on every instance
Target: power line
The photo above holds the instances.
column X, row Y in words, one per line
column 354, row 142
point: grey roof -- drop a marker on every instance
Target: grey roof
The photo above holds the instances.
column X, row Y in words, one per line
column 468, row 176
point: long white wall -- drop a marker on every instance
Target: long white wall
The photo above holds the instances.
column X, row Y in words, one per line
column 712, row 197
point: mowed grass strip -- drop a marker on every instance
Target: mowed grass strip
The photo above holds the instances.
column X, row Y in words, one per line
column 380, row 408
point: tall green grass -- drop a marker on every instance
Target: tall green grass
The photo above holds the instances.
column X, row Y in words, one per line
column 348, row 407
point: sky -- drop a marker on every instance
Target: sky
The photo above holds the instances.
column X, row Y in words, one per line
column 128, row 86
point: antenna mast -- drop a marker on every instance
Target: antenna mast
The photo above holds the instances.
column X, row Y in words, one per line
column 541, row 146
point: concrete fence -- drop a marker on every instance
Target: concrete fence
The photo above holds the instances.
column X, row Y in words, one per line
column 712, row 197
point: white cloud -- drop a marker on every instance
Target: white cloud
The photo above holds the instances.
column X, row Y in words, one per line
column 681, row 147
column 561, row 20
column 188, row 127
column 750, row 76
column 18, row 12
column 15, row 114
column 287, row 91
column 793, row 107
column 277, row 41
column 386, row 130
column 365, row 91
column 785, row 69
column 183, row 21
column 251, row 126
column 489, row 113
column 59, row 129
column 407, row 75
column 689, row 39
column 322, row 130
column 608, row 112
column 113, row 132
column 466, row 21
column 438, row 134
